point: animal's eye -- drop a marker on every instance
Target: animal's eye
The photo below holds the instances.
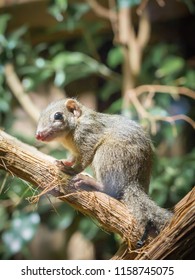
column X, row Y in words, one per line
column 58, row 116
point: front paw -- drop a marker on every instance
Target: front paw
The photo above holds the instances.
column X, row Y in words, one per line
column 66, row 167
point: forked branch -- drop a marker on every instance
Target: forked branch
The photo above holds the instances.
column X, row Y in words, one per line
column 33, row 166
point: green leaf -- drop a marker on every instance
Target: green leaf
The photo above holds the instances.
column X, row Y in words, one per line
column 108, row 89
column 79, row 9
column 3, row 43
column 170, row 66
column 158, row 111
column 190, row 78
column 28, row 83
column 56, row 48
column 28, row 70
column 4, row 105
column 3, row 22
column 115, row 107
column 78, row 65
column 21, row 59
column 57, row 8
column 34, row 79
column 64, row 59
column 60, row 78
column 14, row 41
column 16, row 35
column 115, row 57
column 40, row 62
column 62, row 4
column 157, row 54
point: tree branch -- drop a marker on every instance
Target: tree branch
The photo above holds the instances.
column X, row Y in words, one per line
column 175, row 92
column 172, row 90
column 180, row 234
column 18, row 91
column 102, row 11
column 33, row 166
column 176, row 241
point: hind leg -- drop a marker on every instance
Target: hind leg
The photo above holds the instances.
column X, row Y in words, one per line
column 82, row 180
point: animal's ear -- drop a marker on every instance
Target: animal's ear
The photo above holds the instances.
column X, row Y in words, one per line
column 73, row 107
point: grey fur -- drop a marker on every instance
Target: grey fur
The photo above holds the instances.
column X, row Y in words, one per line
column 119, row 151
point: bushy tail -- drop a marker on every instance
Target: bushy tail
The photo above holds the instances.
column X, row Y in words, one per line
column 145, row 210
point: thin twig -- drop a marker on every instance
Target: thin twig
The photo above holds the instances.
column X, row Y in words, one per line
column 174, row 118
column 172, row 90
column 143, row 113
column 143, row 35
column 102, row 11
column 142, row 7
column 114, row 22
column 19, row 92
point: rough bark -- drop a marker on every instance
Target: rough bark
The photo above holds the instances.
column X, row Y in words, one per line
column 28, row 163
column 175, row 241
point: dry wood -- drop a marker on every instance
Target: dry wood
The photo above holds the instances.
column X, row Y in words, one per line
column 175, row 241
column 39, row 169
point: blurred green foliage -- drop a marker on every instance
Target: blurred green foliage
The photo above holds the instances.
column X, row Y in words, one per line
column 20, row 231
column 63, row 63
column 127, row 3
column 172, row 178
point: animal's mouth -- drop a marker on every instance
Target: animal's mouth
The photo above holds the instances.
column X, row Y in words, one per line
column 44, row 136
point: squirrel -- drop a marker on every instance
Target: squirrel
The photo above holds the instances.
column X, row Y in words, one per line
column 117, row 148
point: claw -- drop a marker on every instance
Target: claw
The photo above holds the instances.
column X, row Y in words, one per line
column 66, row 167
